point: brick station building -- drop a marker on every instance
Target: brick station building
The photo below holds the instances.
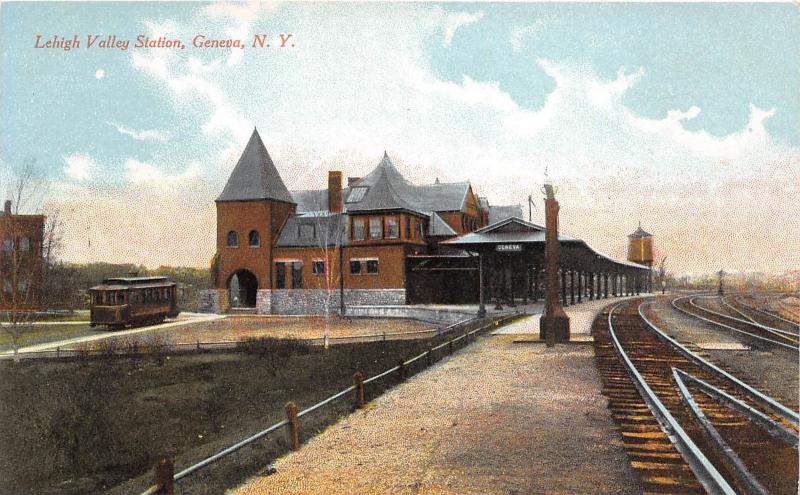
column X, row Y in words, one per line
column 20, row 260
column 378, row 240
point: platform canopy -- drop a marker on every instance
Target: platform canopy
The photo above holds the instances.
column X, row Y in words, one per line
column 520, row 239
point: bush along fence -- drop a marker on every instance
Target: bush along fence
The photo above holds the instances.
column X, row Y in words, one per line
column 132, row 347
column 164, row 472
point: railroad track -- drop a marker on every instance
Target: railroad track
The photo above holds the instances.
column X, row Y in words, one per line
column 755, row 332
column 688, row 426
column 760, row 316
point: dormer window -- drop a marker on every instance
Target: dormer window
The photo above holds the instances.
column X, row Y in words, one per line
column 233, row 239
column 356, row 194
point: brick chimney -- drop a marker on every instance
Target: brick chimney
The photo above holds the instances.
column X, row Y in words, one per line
column 335, row 191
column 7, row 209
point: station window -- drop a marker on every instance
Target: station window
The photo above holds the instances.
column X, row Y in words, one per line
column 280, row 275
column 22, row 287
column 420, row 230
column 7, row 286
column 254, row 239
column 297, row 275
column 355, row 267
column 392, row 228
column 358, row 229
column 409, row 234
column 375, row 228
column 233, row 239
column 372, row 266
column 24, row 244
column 7, row 245
column 318, row 267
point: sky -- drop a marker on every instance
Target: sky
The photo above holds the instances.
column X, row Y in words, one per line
column 683, row 117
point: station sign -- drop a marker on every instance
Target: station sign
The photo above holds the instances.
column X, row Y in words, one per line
column 509, row 248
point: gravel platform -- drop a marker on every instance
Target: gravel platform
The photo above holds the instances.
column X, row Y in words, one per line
column 497, row 418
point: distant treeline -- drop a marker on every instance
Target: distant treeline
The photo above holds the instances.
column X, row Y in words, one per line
column 65, row 284
column 739, row 282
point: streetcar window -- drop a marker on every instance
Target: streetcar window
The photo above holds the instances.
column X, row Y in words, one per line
column 120, row 298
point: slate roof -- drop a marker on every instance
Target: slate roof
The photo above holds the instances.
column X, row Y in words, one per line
column 388, row 189
column 324, row 229
column 310, row 200
column 439, row 228
column 255, row 176
column 500, row 213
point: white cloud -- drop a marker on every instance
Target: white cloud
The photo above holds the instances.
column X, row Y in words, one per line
column 145, row 174
column 456, row 20
column 520, row 34
column 79, row 166
column 145, row 135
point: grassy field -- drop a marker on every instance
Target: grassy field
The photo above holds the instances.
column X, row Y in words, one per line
column 40, row 334
column 97, row 424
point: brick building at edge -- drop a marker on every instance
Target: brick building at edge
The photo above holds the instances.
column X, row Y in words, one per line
column 21, row 268
column 319, row 251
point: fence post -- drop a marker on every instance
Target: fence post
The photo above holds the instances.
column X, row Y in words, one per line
column 164, row 473
column 358, row 378
column 401, row 370
column 430, row 356
column 450, row 347
column 294, row 425
column 58, row 352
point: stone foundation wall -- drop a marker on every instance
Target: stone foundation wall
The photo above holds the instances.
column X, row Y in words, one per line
column 374, row 297
column 213, row 301
column 303, row 302
column 313, row 301
column 309, row 301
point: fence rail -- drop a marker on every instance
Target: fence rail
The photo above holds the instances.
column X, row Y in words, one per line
column 164, row 472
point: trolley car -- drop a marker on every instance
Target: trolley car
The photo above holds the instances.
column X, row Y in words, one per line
column 129, row 301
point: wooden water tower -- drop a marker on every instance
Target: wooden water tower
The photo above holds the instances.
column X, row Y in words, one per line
column 640, row 247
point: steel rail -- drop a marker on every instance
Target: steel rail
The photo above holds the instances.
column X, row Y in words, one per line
column 763, row 325
column 707, row 320
column 767, row 401
column 772, row 427
column 768, row 313
column 733, row 460
column 774, row 331
column 703, row 469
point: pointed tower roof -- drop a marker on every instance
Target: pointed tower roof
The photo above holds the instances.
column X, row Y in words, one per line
column 640, row 233
column 255, row 176
column 387, row 190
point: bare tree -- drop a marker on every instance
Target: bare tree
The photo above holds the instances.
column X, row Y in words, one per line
column 329, row 235
column 27, row 242
column 662, row 275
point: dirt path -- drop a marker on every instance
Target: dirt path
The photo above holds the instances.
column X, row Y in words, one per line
column 498, row 417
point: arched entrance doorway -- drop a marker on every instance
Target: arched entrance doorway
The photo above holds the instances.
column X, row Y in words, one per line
column 242, row 288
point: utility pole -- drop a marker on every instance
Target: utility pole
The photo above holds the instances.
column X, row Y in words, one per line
column 554, row 323
column 721, row 290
